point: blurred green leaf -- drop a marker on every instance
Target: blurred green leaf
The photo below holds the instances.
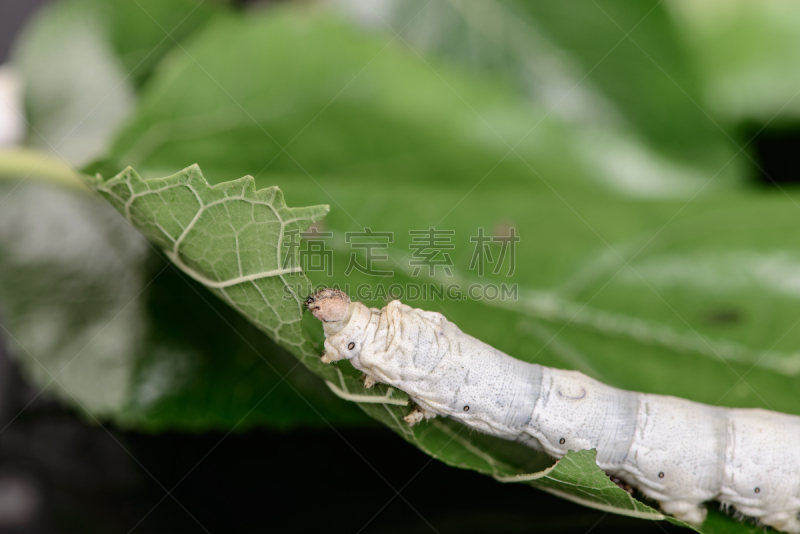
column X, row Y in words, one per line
column 76, row 91
column 70, row 275
column 143, row 31
column 81, row 60
column 621, row 70
column 396, row 142
column 402, row 115
column 745, row 52
column 634, row 53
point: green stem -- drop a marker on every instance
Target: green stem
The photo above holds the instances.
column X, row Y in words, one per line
column 19, row 163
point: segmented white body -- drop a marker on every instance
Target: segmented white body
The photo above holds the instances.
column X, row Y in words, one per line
column 676, row 451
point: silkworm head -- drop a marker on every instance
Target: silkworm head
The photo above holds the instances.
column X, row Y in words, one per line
column 344, row 323
column 329, row 305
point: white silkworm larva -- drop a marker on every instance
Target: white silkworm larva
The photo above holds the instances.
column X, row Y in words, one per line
column 678, row 452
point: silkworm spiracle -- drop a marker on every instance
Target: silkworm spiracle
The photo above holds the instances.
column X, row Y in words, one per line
column 678, row 452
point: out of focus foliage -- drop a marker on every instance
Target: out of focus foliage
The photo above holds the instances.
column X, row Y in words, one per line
column 616, row 137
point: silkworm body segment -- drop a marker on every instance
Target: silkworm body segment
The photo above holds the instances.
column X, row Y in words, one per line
column 678, row 452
